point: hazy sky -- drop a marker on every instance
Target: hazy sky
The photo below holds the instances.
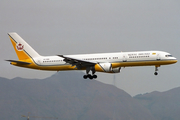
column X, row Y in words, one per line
column 95, row 26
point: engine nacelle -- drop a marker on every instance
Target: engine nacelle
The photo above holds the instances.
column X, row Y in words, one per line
column 116, row 70
column 106, row 67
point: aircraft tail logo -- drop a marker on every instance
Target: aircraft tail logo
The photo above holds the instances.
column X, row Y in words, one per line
column 19, row 47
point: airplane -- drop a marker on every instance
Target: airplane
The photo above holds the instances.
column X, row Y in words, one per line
column 99, row 62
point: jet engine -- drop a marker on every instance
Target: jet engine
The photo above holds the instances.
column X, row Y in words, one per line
column 106, row 67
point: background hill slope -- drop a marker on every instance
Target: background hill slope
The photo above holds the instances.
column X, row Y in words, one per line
column 67, row 96
column 163, row 105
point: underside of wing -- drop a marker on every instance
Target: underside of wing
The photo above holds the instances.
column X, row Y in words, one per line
column 19, row 62
column 78, row 63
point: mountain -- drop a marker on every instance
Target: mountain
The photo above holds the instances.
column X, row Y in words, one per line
column 163, row 105
column 67, row 96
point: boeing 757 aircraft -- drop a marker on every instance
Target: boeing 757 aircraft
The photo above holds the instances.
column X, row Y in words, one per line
column 101, row 62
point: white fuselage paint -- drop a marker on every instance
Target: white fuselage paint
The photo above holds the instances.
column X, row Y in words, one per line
column 119, row 57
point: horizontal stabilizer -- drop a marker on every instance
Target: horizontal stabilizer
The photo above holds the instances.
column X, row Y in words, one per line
column 19, row 62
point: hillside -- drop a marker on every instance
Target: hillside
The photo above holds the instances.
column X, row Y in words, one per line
column 163, row 105
column 67, row 96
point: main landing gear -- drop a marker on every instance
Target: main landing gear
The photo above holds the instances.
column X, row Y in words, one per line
column 156, row 69
column 89, row 75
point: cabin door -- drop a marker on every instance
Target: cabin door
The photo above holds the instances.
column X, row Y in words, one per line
column 158, row 57
column 124, row 58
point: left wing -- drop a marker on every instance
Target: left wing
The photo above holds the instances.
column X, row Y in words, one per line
column 78, row 63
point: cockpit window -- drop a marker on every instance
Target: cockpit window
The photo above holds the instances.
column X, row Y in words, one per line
column 168, row 55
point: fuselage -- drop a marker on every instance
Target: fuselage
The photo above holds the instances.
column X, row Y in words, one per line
column 119, row 59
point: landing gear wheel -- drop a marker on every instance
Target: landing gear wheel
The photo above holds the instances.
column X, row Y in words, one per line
column 85, row 76
column 156, row 73
column 90, row 77
column 94, row 76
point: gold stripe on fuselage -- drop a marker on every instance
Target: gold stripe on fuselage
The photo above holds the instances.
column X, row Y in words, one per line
column 144, row 63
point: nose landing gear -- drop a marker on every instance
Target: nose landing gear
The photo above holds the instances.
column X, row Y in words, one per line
column 156, row 69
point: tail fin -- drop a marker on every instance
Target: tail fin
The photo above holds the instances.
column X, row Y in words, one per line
column 23, row 49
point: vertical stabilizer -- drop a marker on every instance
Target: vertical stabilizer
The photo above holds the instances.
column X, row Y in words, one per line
column 23, row 49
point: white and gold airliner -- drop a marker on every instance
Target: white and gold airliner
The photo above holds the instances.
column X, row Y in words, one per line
column 102, row 62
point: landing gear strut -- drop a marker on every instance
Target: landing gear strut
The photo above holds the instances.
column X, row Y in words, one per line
column 89, row 75
column 156, row 69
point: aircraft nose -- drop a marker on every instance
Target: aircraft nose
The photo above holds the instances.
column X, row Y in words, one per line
column 175, row 59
